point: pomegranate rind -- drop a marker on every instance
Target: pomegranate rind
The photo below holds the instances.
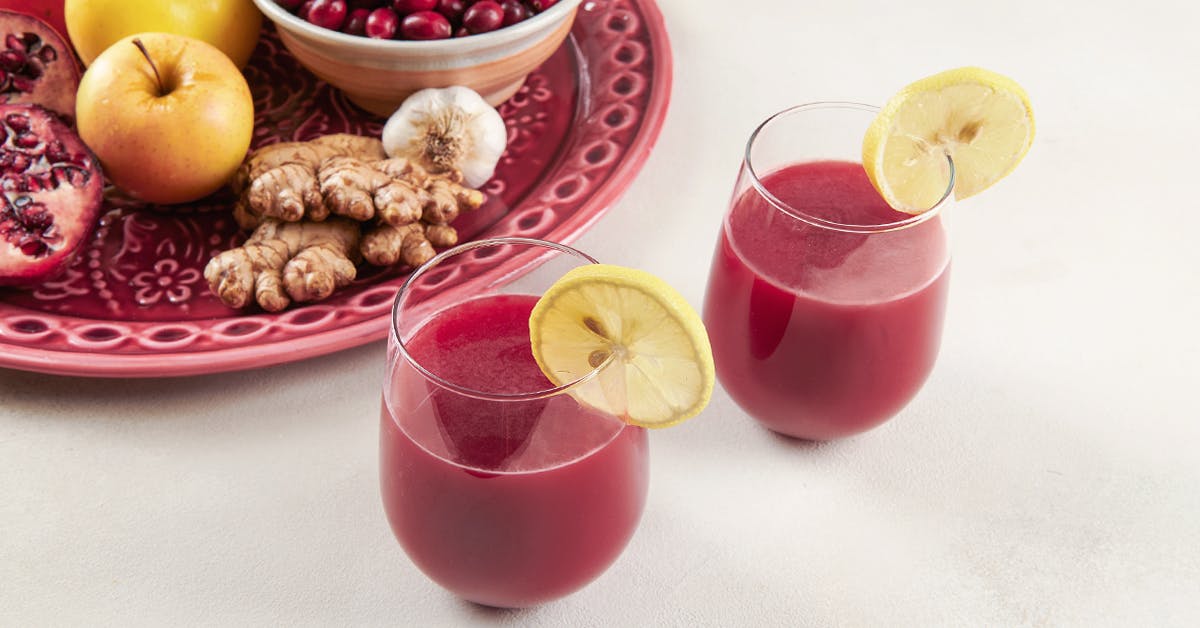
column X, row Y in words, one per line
column 50, row 74
column 51, row 193
column 52, row 12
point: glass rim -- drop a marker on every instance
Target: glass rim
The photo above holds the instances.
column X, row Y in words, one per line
column 464, row 390
column 817, row 221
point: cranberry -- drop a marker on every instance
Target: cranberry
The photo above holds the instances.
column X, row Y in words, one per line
column 452, row 9
column 541, row 5
column 304, row 9
column 483, row 16
column 407, row 7
column 425, row 25
column 329, row 14
column 369, row 5
column 382, row 23
column 514, row 11
column 356, row 22
column 290, row 5
column 462, row 32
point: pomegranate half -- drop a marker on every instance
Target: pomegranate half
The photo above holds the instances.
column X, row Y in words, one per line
column 51, row 190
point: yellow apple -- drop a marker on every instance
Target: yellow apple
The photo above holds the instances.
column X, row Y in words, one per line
column 231, row 25
column 169, row 117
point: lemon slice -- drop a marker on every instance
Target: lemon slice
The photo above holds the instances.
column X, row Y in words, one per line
column 662, row 370
column 981, row 119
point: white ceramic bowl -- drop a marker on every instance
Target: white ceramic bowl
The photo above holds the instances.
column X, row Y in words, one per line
column 378, row 75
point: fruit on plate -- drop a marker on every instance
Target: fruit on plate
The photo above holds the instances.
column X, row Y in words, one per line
column 980, row 119
column 48, row 11
column 50, row 193
column 231, row 25
column 170, row 117
column 36, row 65
column 417, row 19
column 655, row 363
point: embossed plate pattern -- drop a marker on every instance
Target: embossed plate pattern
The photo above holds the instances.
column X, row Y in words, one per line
column 134, row 302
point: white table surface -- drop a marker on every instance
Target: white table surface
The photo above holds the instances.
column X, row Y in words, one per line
column 1047, row 474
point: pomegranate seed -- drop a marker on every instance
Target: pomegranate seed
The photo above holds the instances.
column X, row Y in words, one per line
column 356, row 22
column 35, row 216
column 20, row 163
column 13, row 41
column 26, row 140
column 483, row 16
column 23, row 84
column 406, row 7
column 382, row 23
column 514, row 11
column 47, row 54
column 12, row 60
column 74, row 175
column 452, row 9
column 56, row 151
column 18, row 122
column 425, row 25
column 35, row 248
column 329, row 14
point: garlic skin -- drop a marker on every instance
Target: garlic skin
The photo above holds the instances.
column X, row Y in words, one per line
column 451, row 128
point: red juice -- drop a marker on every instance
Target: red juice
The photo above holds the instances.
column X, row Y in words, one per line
column 818, row 333
column 507, row 503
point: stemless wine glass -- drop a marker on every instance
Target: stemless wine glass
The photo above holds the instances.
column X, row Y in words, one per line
column 824, row 305
column 500, row 487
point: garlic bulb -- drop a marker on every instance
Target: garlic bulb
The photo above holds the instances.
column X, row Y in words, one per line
column 448, row 128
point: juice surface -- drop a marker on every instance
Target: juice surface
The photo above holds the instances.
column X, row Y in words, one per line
column 503, row 503
column 819, row 333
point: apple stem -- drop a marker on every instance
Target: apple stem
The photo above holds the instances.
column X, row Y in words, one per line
column 145, row 53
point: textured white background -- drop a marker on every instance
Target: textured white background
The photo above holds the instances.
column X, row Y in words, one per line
column 1047, row 474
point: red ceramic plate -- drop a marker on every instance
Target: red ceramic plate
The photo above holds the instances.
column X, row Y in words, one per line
column 135, row 304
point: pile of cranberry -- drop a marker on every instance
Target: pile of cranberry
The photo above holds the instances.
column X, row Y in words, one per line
column 414, row 19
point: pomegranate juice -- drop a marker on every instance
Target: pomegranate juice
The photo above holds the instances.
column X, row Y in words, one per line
column 504, row 503
column 816, row 332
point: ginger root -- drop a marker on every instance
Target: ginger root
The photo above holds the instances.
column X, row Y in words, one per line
column 348, row 185
column 316, row 207
column 395, row 190
column 344, row 175
column 447, row 196
column 281, row 181
column 283, row 262
column 385, row 245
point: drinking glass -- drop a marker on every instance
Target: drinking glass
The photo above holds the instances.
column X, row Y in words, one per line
column 501, row 487
column 824, row 306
